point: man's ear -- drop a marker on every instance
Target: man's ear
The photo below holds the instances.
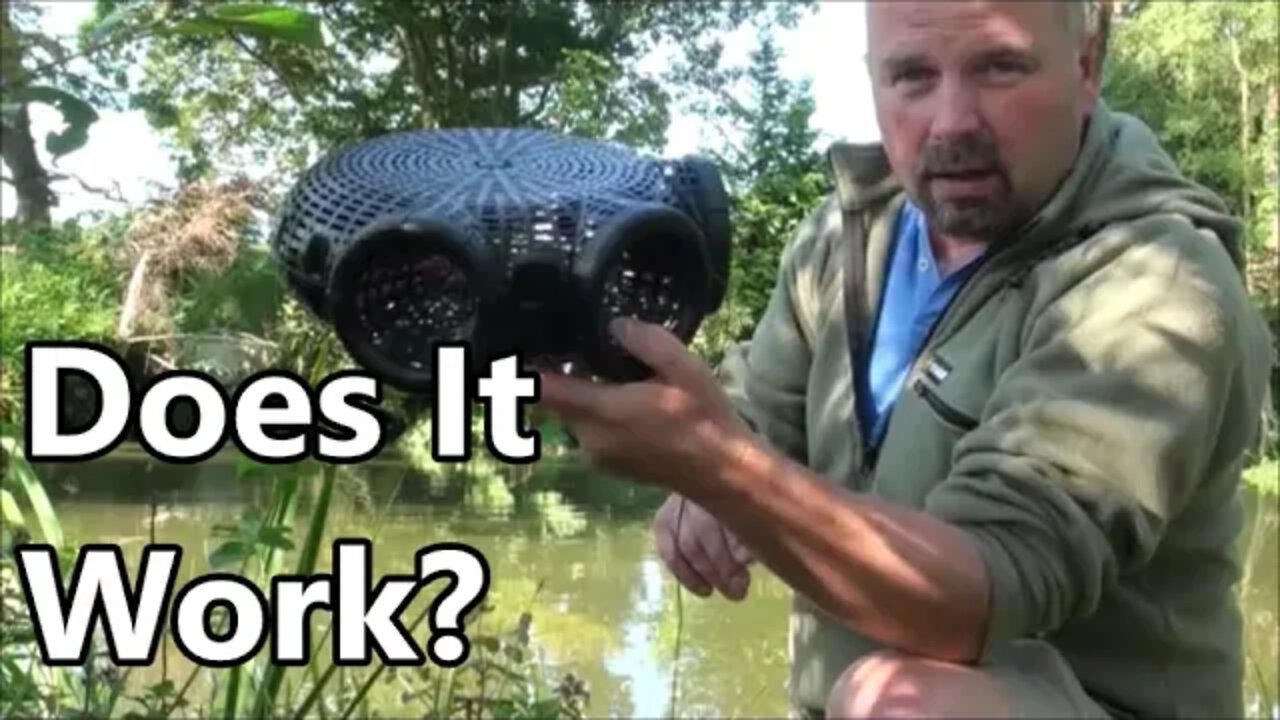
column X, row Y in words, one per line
column 1091, row 61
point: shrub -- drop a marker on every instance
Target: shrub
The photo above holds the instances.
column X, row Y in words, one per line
column 59, row 284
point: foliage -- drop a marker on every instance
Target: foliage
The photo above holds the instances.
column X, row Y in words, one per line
column 36, row 67
column 502, row 678
column 1264, row 477
column 248, row 297
column 1204, row 76
column 55, row 284
column 395, row 65
column 198, row 233
column 776, row 178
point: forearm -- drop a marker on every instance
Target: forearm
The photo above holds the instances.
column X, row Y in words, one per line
column 892, row 573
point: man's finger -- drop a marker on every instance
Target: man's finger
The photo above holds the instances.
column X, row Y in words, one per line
column 683, row 571
column 571, row 397
column 728, row 576
column 689, row 577
column 689, row 552
column 662, row 351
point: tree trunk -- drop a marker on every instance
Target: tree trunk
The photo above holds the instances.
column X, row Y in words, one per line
column 447, row 17
column 417, row 44
column 1246, row 211
column 18, row 148
column 1271, row 131
column 1245, row 122
column 509, row 90
column 30, row 181
column 131, row 308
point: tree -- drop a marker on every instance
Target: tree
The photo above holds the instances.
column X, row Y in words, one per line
column 36, row 67
column 394, row 65
column 776, row 176
column 1204, row 76
column 25, row 82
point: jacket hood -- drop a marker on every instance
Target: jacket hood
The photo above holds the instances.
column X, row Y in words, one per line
column 1121, row 174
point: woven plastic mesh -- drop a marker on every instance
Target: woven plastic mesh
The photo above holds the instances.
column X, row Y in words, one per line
column 525, row 194
column 520, row 187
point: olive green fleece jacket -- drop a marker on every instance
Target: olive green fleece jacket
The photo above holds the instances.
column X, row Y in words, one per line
column 1081, row 409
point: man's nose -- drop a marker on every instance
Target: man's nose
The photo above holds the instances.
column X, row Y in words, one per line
column 957, row 112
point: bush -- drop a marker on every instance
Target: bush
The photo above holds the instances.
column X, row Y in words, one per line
column 59, row 284
column 246, row 298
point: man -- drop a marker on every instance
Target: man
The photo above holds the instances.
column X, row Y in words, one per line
column 991, row 425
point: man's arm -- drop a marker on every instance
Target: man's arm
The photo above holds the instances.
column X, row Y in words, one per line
column 895, row 574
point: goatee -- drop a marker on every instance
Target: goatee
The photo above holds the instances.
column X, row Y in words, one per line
column 985, row 217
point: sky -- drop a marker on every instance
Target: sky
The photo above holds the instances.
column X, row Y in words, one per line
column 825, row 48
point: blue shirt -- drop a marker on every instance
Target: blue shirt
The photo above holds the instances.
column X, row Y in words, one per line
column 914, row 296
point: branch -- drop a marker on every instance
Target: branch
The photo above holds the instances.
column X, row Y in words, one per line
column 537, row 110
column 39, row 70
column 262, row 60
column 115, row 196
column 504, row 93
column 451, row 67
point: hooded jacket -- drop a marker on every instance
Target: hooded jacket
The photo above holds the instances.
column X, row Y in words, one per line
column 1082, row 408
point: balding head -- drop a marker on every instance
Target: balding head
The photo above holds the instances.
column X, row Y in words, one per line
column 981, row 103
column 1073, row 18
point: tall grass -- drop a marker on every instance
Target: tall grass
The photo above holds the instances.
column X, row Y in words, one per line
column 257, row 547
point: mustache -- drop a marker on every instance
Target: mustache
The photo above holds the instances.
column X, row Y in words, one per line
column 966, row 154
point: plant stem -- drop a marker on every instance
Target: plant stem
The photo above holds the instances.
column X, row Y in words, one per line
column 364, row 689
column 306, row 566
column 675, row 670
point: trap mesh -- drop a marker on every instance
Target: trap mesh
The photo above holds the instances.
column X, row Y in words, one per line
column 529, row 205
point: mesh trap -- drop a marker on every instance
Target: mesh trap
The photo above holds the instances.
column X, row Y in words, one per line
column 510, row 240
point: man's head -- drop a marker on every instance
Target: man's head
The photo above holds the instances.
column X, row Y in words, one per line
column 981, row 104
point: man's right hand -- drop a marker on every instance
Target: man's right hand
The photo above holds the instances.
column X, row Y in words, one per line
column 700, row 552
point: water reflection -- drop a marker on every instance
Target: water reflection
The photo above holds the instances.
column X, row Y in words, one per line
column 645, row 679
column 578, row 557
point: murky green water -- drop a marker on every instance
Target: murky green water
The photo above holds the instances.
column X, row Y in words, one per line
column 579, row 558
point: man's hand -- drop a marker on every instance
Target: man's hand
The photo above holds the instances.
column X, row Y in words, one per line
column 699, row 551
column 676, row 430
column 895, row 574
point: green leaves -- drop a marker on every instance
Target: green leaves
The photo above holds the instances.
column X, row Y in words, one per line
column 244, row 539
column 77, row 114
column 1264, row 477
column 265, row 702
column 264, row 20
column 1187, row 70
column 119, row 18
column 19, row 476
column 260, row 19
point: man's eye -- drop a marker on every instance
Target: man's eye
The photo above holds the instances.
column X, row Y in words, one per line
column 911, row 75
column 1005, row 68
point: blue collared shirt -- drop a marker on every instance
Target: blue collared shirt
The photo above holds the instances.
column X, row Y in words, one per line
column 914, row 296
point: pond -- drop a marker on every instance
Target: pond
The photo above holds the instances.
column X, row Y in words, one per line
column 575, row 553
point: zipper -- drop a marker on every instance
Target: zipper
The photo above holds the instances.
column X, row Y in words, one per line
column 857, row 237
column 934, row 336
column 948, row 413
column 981, row 272
column 868, row 452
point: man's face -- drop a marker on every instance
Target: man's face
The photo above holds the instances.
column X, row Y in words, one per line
column 980, row 106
